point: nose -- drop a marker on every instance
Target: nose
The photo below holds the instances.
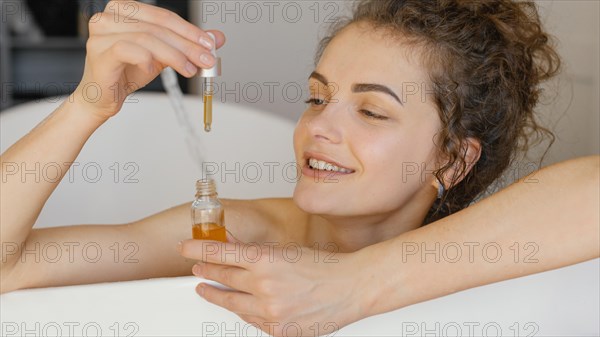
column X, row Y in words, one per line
column 326, row 125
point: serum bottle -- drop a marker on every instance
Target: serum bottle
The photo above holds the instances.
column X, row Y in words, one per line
column 207, row 213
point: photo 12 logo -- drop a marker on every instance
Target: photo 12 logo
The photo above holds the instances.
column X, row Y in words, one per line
column 468, row 329
column 290, row 329
column 68, row 329
column 53, row 172
column 270, row 11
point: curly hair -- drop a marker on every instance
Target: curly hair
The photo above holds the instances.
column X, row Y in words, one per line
column 486, row 60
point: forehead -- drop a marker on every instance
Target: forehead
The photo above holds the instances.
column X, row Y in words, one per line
column 360, row 53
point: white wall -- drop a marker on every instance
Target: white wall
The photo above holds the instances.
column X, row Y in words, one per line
column 574, row 114
column 276, row 48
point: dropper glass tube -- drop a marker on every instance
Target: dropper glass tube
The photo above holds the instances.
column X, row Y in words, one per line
column 208, row 75
column 207, row 98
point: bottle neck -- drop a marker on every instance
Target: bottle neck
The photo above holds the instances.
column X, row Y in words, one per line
column 204, row 196
column 206, row 189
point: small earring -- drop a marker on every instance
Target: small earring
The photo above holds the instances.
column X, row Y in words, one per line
column 440, row 188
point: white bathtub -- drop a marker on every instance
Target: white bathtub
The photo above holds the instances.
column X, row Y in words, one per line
column 557, row 303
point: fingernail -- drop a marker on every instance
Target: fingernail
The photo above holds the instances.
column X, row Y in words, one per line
column 207, row 59
column 196, row 270
column 191, row 69
column 206, row 42
column 200, row 289
column 179, row 246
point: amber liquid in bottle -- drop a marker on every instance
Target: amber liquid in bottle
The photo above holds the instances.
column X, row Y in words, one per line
column 209, row 231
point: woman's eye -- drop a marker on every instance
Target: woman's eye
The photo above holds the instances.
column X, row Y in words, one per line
column 369, row 114
column 315, row 101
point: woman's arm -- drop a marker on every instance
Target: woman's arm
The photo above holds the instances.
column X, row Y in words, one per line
column 57, row 139
column 550, row 217
column 84, row 254
column 547, row 220
column 123, row 54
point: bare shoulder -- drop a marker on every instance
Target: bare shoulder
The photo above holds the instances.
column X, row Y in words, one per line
column 261, row 220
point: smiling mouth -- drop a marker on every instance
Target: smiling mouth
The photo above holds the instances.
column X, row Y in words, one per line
column 322, row 165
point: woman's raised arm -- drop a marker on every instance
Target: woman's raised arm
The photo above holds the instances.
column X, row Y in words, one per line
column 124, row 53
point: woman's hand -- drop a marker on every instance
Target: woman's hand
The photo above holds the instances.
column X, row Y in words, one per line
column 130, row 43
column 284, row 290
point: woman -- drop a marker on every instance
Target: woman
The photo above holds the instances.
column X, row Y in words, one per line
column 476, row 67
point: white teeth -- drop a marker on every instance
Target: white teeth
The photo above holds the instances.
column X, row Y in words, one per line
column 323, row 165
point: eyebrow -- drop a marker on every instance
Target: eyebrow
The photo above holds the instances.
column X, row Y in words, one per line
column 360, row 87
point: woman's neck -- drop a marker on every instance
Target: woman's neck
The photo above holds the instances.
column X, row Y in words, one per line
column 348, row 234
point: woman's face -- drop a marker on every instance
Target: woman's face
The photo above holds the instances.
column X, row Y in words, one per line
column 374, row 117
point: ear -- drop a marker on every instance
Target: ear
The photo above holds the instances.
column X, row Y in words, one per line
column 471, row 151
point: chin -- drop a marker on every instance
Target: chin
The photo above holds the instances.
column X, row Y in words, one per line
column 315, row 202
column 312, row 202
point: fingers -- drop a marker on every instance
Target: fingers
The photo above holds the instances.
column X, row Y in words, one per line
column 224, row 253
column 195, row 53
column 219, row 37
column 235, row 301
column 125, row 46
column 162, row 17
column 233, row 277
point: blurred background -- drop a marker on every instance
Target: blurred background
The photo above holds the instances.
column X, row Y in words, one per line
column 269, row 55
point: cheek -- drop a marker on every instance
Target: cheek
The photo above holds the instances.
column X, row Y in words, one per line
column 395, row 167
column 299, row 135
column 296, row 141
column 385, row 168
